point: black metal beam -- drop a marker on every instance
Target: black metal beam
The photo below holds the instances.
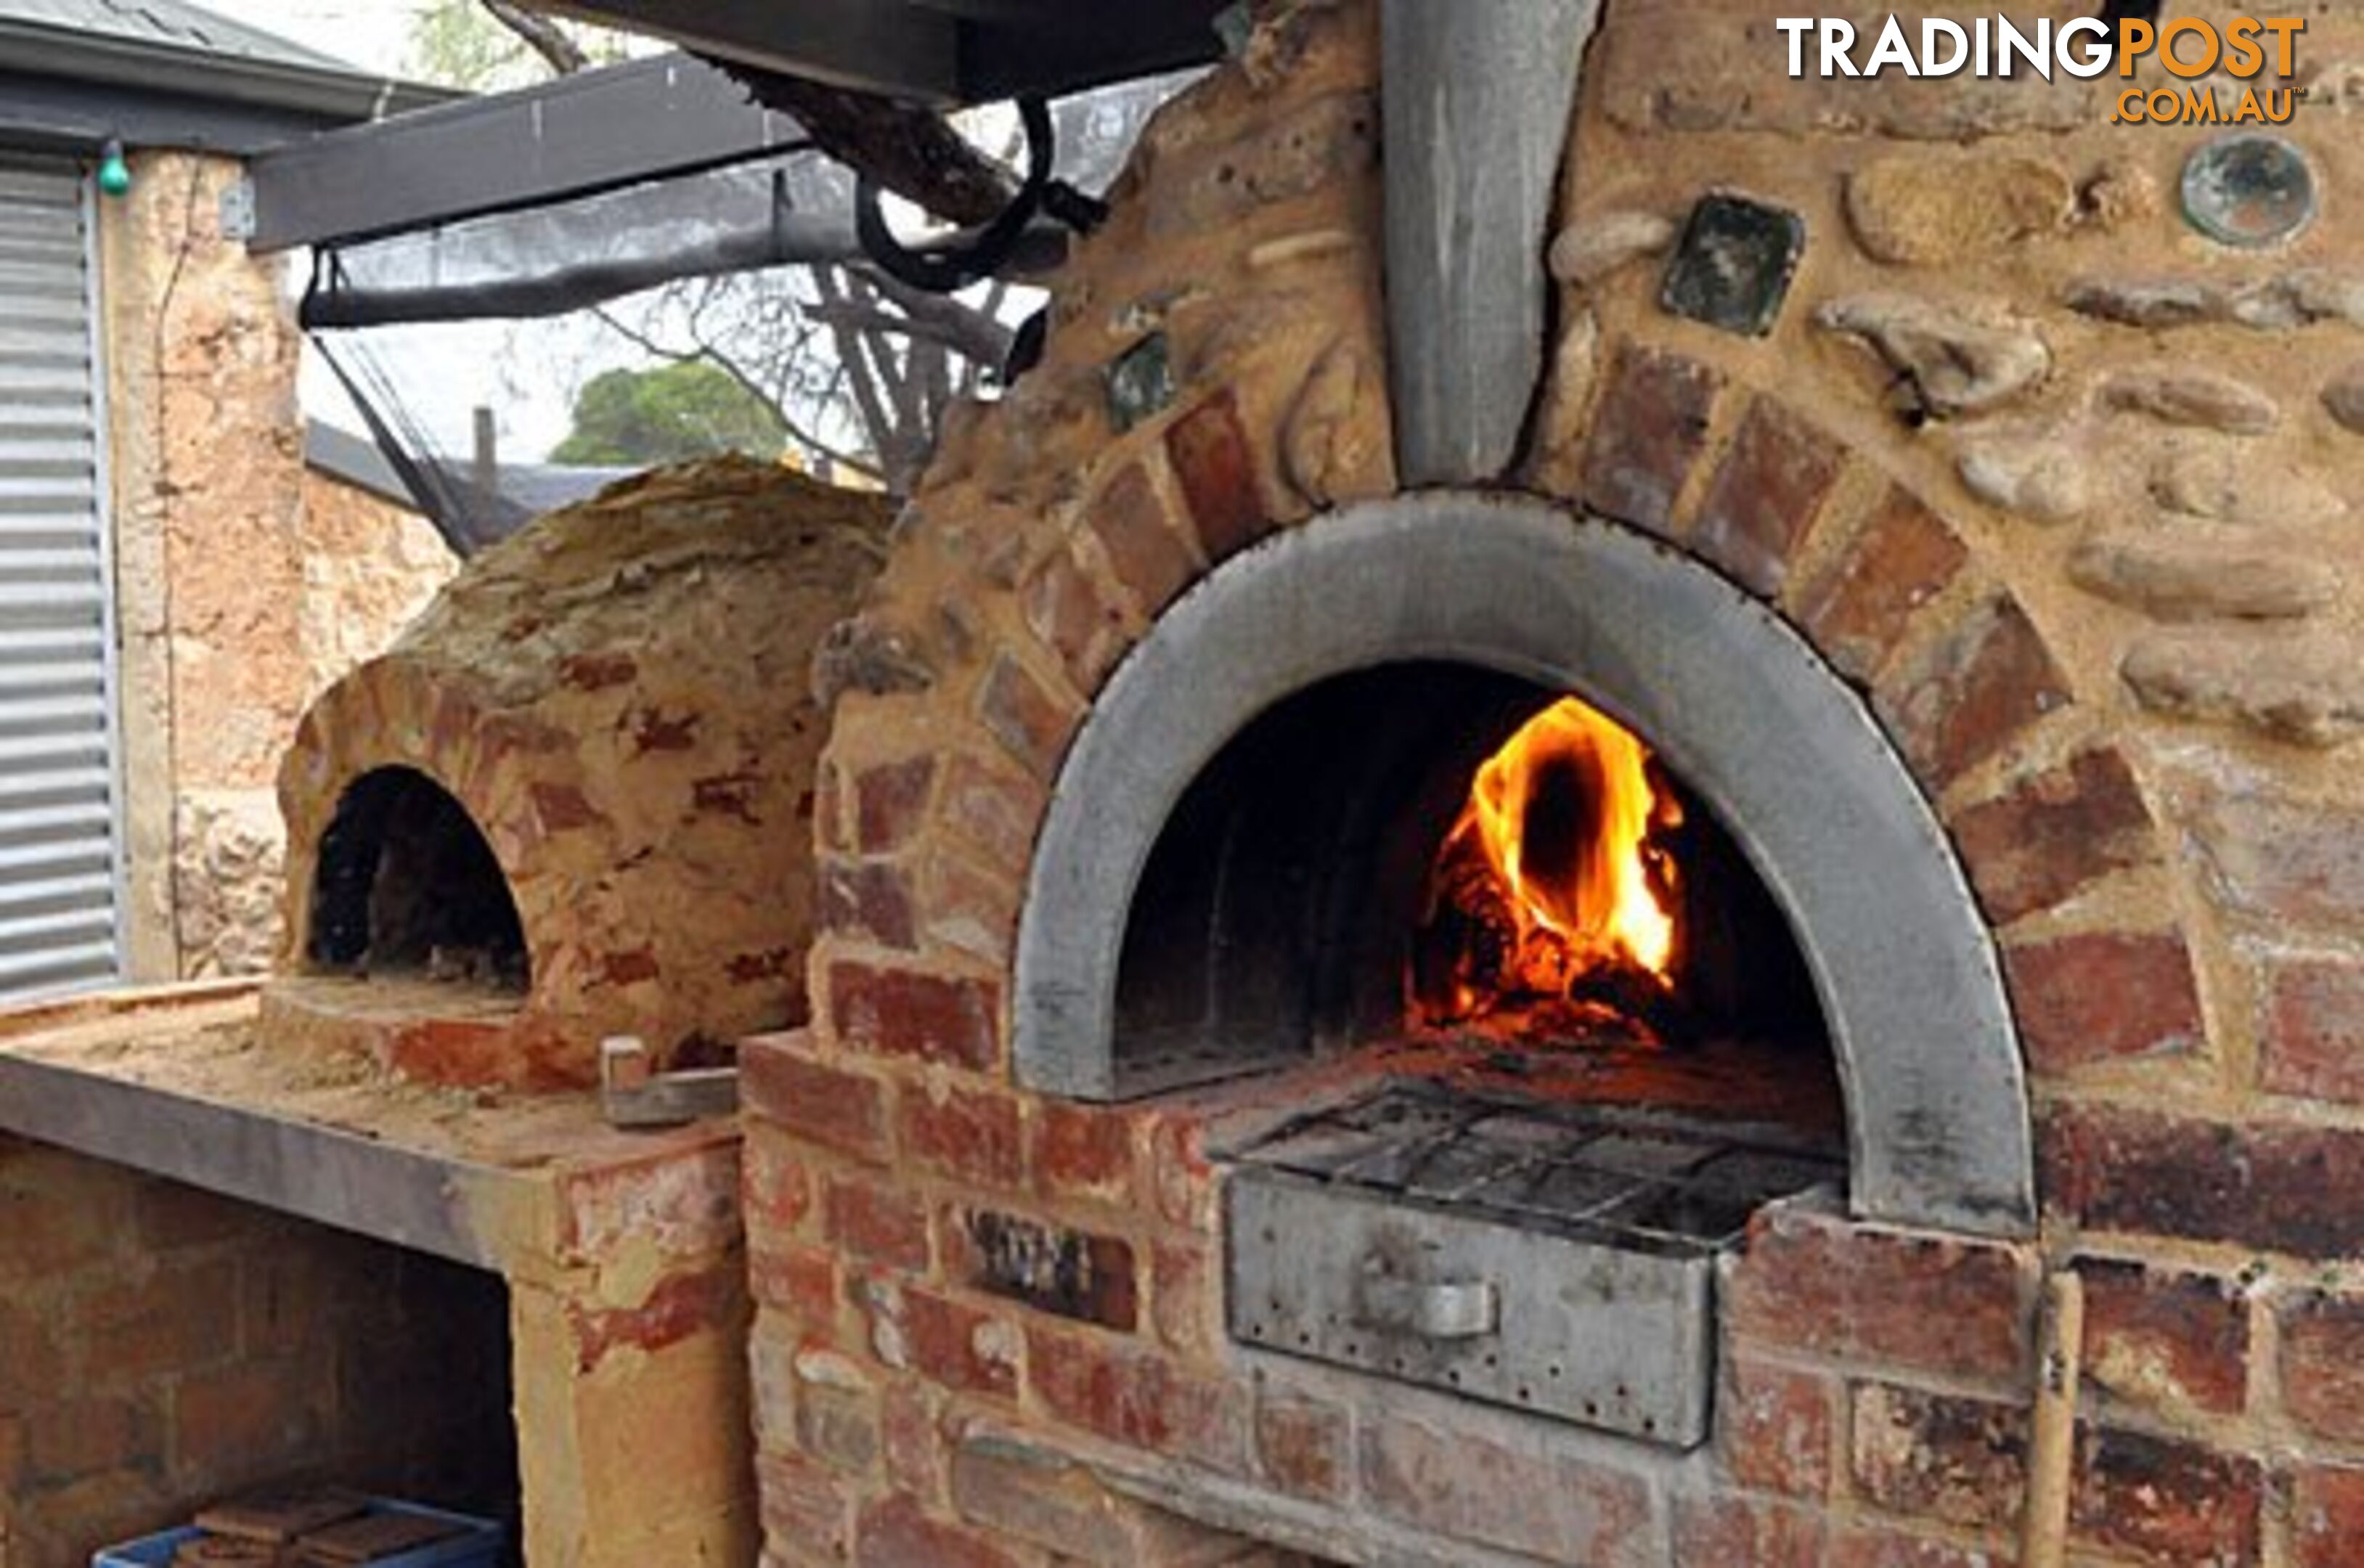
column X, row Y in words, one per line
column 892, row 47
column 575, row 137
column 932, row 51
column 1086, row 46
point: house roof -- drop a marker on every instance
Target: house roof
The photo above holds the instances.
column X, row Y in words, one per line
column 167, row 73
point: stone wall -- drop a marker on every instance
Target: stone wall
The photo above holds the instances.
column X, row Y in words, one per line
column 243, row 583
column 2059, row 485
column 161, row 1348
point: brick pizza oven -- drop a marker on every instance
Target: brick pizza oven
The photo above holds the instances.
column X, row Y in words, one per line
column 1880, row 538
column 573, row 803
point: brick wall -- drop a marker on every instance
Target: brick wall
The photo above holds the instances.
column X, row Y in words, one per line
column 160, row 1347
column 2077, row 544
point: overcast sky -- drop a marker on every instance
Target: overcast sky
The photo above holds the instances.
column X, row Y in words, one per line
column 372, row 34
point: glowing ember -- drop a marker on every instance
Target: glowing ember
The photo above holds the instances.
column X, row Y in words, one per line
column 1554, row 884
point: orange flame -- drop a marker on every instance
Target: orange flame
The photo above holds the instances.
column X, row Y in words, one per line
column 1564, row 815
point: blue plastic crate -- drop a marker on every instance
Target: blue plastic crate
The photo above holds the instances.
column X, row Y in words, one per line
column 478, row 1546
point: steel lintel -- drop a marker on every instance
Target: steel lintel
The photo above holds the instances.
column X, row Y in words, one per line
column 575, row 137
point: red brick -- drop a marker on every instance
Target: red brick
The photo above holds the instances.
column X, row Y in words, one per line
column 910, row 1012
column 682, row 1200
column 1551, row 1505
column 971, row 909
column 806, row 1505
column 2056, row 833
column 2313, row 1022
column 1031, row 723
column 1083, row 1152
column 71, row 1438
column 800, row 1281
column 2326, row 1518
column 1135, row 1398
column 1863, row 606
column 2163, row 1339
column 2321, row 1366
column 1880, row 1546
column 1650, row 431
column 2104, row 998
column 1969, row 696
column 1302, row 1445
column 895, row 1533
column 1064, row 610
column 958, row 1346
column 2165, row 1501
column 778, row 1195
column 868, row 902
column 823, row 1105
column 2287, row 861
column 1051, row 1268
column 915, row 1461
column 1180, row 1172
column 1773, row 1427
column 255, row 1414
column 1185, row 1299
column 170, row 1323
column 994, row 811
column 1823, row 1283
column 677, row 1308
column 1752, row 1530
column 171, row 1215
column 1937, row 1456
column 1217, row 472
column 890, row 801
column 871, row 1222
column 2279, row 1188
column 969, row 1135
column 1024, row 1493
column 839, row 1426
column 1143, row 546
column 30, row 1353
column 1768, row 491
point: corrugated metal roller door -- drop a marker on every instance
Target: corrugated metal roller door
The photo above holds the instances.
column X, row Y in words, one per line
column 59, row 901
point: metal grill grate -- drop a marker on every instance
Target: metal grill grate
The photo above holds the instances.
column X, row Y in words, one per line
column 1558, row 1259
column 1636, row 1177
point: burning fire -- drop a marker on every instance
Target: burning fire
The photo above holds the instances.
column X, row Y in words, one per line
column 1553, row 884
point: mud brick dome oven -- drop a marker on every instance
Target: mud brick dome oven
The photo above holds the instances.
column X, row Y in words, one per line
column 1618, row 839
column 572, row 801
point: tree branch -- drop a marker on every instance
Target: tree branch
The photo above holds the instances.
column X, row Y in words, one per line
column 542, row 35
column 911, row 151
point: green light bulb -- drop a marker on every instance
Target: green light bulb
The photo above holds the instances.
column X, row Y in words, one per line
column 114, row 174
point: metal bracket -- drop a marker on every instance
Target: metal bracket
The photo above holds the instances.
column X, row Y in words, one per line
column 238, row 210
column 634, row 1094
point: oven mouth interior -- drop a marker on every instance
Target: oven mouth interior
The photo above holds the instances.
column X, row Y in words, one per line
column 407, row 888
column 1291, row 910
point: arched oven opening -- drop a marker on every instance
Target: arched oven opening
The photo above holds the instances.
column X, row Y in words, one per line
column 406, row 887
column 1555, row 910
column 1440, row 859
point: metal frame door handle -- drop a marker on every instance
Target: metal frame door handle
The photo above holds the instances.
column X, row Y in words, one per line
column 1442, row 1309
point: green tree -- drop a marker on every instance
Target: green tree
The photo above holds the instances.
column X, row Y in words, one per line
column 689, row 408
column 485, row 45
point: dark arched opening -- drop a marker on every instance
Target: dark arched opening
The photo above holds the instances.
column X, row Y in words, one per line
column 407, row 885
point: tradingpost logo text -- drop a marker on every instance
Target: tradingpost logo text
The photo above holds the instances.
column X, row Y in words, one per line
column 2187, row 48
